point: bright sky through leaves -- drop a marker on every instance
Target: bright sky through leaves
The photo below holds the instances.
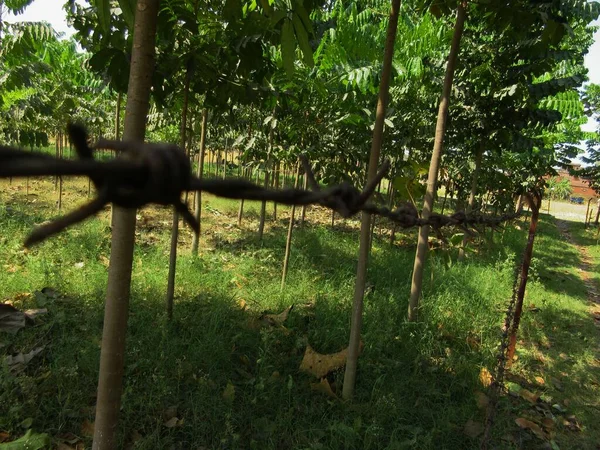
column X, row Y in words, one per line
column 51, row 11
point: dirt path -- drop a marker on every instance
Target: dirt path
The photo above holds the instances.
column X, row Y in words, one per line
column 585, row 269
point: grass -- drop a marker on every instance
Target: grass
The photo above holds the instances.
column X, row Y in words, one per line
column 416, row 382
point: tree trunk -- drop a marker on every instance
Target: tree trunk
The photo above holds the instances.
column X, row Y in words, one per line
column 288, row 242
column 597, row 215
column 303, row 214
column 199, row 174
column 587, row 214
column 57, row 141
column 276, row 186
column 365, row 228
column 60, row 179
column 175, row 225
column 536, row 203
column 471, row 204
column 440, row 129
column 123, row 235
column 117, row 137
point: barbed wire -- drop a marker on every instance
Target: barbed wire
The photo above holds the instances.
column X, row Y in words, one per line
column 159, row 173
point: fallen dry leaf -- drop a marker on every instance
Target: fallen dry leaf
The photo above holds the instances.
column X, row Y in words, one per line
column 87, row 428
column 104, row 260
column 482, row 400
column 4, row 436
column 320, row 365
column 540, row 381
column 485, row 377
column 11, row 319
column 567, row 402
column 532, row 426
column 229, row 393
column 18, row 362
column 548, row 423
column 323, row 387
column 276, row 319
column 169, row 413
column 63, row 446
column 242, row 304
column 473, row 429
column 529, row 396
column 172, row 422
column 33, row 313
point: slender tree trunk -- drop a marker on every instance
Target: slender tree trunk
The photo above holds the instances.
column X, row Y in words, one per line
column 365, row 228
column 263, row 206
column 123, row 235
column 303, row 213
column 117, row 137
column 276, row 186
column 199, row 174
column 471, row 204
column 587, row 213
column 536, row 203
column 60, row 179
column 175, row 225
column 57, row 141
column 288, row 242
column 422, row 245
column 597, row 215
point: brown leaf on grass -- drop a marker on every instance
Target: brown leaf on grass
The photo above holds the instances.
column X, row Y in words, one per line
column 87, row 428
column 18, row 362
column 69, row 438
column 567, row 402
column 473, row 429
column 320, row 365
column 532, row 426
column 4, row 436
column 540, row 381
column 173, row 422
column 548, row 423
column 242, row 304
column 276, row 320
column 485, row 377
column 33, row 313
column 169, row 413
column 63, row 446
column 323, row 387
column 104, row 260
column 229, row 393
column 529, row 396
column 482, row 400
column 11, row 319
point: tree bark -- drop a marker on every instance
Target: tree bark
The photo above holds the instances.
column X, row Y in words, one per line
column 535, row 201
column 365, row 228
column 117, row 137
column 440, row 129
column 123, row 236
column 288, row 241
column 471, row 204
column 597, row 215
column 587, row 214
column 303, row 213
column 175, row 225
column 199, row 172
column 60, row 178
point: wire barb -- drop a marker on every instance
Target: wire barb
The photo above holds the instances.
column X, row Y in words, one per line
column 159, row 173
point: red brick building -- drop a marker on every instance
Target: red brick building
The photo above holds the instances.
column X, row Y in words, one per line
column 580, row 187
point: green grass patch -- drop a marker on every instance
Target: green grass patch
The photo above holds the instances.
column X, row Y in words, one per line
column 416, row 382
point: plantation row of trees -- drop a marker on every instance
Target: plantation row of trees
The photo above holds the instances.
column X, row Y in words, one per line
column 275, row 79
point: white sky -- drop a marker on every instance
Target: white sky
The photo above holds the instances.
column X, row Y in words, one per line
column 52, row 11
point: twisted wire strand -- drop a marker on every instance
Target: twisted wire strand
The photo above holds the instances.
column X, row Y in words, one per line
column 159, row 173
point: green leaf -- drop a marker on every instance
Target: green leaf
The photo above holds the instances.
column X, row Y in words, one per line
column 288, row 47
column 277, row 16
column 128, row 9
column 303, row 43
column 103, row 11
column 31, row 441
column 301, row 12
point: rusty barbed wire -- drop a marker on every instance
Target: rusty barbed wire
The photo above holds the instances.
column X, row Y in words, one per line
column 159, row 173
column 497, row 385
